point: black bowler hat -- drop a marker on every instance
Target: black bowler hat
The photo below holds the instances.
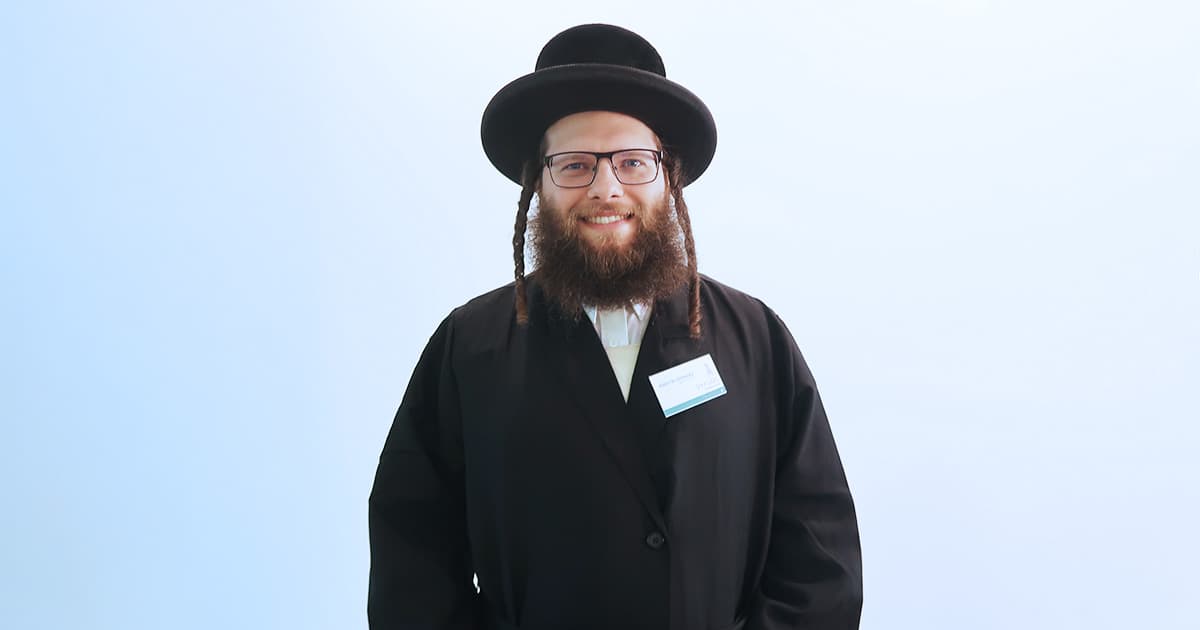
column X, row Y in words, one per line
column 597, row 67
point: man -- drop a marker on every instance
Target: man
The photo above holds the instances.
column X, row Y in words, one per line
column 613, row 441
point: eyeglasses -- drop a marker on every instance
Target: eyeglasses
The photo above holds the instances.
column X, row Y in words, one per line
column 577, row 169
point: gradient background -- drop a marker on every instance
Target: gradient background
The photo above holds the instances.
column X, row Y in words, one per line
column 229, row 228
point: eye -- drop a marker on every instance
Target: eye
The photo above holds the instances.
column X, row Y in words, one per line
column 573, row 163
column 632, row 163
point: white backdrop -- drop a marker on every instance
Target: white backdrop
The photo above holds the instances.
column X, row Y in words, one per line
column 229, row 228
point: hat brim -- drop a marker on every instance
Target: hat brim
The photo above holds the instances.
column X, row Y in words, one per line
column 517, row 117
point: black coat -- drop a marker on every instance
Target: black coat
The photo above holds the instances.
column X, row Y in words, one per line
column 513, row 456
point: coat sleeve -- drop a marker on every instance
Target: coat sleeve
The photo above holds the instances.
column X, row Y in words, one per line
column 813, row 574
column 421, row 571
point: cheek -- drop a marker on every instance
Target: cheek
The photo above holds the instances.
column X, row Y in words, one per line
column 656, row 205
column 562, row 200
column 651, row 194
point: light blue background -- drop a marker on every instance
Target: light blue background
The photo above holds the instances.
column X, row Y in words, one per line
column 228, row 229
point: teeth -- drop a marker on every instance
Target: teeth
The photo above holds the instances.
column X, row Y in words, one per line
column 605, row 219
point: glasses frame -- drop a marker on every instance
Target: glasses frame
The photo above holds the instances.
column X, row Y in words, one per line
column 658, row 156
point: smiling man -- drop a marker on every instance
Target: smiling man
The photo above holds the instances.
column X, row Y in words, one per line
column 612, row 441
column 604, row 237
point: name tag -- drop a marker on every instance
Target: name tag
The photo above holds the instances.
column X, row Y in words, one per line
column 686, row 385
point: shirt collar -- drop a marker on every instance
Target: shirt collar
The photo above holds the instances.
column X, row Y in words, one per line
column 640, row 310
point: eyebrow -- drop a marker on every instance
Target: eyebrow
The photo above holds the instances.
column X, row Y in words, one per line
column 656, row 143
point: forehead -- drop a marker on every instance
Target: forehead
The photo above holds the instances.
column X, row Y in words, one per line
column 598, row 131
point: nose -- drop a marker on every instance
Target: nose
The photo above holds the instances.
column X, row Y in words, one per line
column 605, row 185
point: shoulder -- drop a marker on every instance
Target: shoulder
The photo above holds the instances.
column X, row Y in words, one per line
column 486, row 304
column 746, row 317
column 724, row 301
column 727, row 296
column 483, row 319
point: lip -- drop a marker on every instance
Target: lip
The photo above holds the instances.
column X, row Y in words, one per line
column 625, row 220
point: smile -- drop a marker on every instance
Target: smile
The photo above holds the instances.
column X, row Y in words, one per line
column 606, row 219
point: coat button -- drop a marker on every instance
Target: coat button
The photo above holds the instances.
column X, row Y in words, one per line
column 655, row 540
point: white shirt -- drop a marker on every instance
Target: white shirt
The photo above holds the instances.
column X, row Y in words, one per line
column 621, row 331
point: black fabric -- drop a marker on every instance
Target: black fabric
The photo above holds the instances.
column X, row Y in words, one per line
column 600, row 43
column 513, row 456
column 597, row 67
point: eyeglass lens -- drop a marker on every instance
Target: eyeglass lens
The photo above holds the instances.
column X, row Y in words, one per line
column 571, row 170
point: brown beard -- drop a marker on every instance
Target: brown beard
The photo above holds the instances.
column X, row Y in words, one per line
column 573, row 272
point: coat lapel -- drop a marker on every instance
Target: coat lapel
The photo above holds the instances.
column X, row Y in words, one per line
column 587, row 377
column 666, row 344
column 631, row 431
